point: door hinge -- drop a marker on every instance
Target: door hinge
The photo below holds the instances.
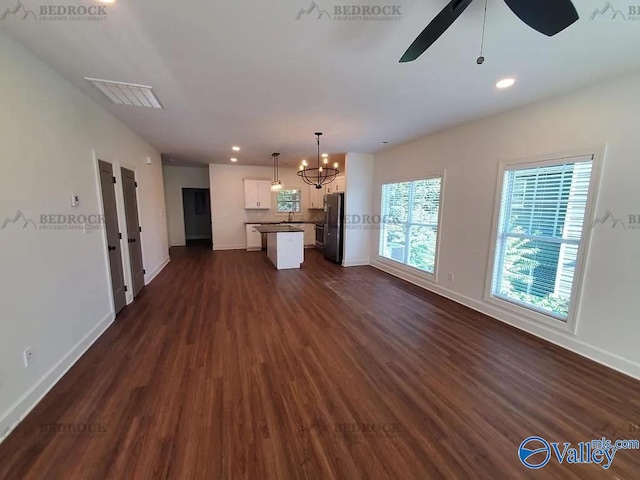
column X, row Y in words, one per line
column 135, row 184
column 114, row 180
column 120, row 236
column 140, row 229
column 144, row 272
column 126, row 289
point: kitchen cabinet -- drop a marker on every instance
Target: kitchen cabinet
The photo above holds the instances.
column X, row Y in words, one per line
column 309, row 234
column 257, row 194
column 316, row 197
column 254, row 238
column 338, row 185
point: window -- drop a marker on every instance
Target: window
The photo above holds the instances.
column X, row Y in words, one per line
column 410, row 217
column 540, row 233
column 288, row 201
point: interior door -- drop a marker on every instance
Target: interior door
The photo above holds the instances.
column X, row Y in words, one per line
column 129, row 186
column 113, row 235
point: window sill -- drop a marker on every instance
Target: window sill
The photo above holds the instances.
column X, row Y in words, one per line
column 408, row 269
column 568, row 326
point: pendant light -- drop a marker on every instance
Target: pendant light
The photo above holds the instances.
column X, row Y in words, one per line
column 322, row 174
column 276, row 186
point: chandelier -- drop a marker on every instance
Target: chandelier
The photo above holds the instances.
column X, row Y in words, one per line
column 276, row 186
column 322, row 174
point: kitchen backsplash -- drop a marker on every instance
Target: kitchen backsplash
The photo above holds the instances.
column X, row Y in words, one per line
column 310, row 216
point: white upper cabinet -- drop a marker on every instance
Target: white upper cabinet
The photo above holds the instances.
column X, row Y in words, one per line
column 257, row 194
column 316, row 197
column 338, row 185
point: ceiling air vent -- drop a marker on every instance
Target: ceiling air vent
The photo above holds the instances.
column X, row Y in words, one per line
column 127, row 93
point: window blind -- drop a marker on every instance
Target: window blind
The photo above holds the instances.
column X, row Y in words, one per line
column 410, row 216
column 542, row 213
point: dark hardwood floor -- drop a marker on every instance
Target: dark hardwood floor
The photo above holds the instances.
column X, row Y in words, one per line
column 226, row 368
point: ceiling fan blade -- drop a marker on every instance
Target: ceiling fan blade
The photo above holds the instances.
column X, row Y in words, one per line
column 546, row 16
column 435, row 29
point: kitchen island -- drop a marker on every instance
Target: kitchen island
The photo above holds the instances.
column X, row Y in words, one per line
column 285, row 245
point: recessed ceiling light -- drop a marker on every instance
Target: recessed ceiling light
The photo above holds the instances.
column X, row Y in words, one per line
column 234, row 160
column 506, row 83
column 107, row 1
column 235, row 148
column 325, row 155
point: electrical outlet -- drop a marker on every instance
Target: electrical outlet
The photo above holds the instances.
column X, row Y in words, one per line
column 27, row 357
column 452, row 277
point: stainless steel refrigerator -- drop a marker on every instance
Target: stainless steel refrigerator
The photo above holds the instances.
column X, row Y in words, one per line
column 334, row 227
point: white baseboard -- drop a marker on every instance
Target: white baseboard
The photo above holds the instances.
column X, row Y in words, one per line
column 356, row 263
column 229, row 247
column 557, row 337
column 21, row 408
column 148, row 278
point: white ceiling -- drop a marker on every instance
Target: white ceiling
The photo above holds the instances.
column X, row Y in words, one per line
column 247, row 73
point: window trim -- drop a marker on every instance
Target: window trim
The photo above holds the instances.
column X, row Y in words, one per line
column 422, row 274
column 275, row 200
column 526, row 311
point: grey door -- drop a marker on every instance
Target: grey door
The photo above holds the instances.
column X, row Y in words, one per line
column 129, row 186
column 107, row 181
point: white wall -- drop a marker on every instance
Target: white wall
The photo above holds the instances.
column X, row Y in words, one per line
column 54, row 285
column 608, row 329
column 175, row 179
column 227, row 202
column 358, row 207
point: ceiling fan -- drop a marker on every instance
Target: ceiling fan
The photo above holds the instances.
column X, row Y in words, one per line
column 546, row 16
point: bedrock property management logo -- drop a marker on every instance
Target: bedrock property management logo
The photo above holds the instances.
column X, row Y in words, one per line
column 54, row 13
column 536, row 453
column 350, row 13
column 609, row 11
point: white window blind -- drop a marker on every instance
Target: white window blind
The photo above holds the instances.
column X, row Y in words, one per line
column 410, row 217
column 540, row 231
column 288, row 201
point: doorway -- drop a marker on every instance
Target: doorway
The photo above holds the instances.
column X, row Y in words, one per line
column 196, row 204
column 107, row 187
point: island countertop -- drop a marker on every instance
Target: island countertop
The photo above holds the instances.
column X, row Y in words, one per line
column 277, row 229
